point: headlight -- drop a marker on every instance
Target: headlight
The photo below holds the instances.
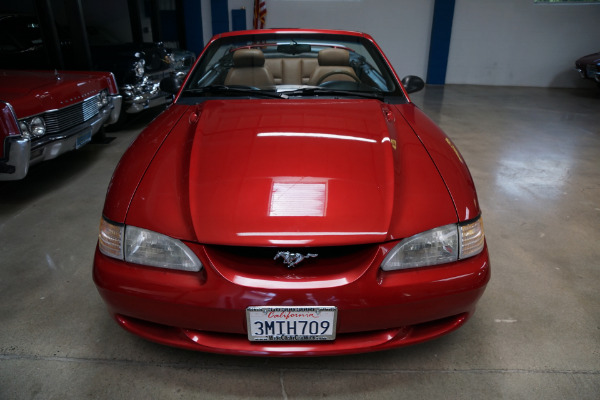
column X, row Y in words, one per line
column 138, row 68
column 24, row 129
column 33, row 127
column 102, row 99
column 151, row 248
column 37, row 126
column 170, row 59
column 441, row 245
column 141, row 246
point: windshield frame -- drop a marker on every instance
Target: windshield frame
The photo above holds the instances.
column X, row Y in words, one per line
column 219, row 49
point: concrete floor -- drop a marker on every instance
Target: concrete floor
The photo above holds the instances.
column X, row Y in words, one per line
column 535, row 157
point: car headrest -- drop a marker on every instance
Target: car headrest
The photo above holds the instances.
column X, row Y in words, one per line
column 333, row 57
column 248, row 58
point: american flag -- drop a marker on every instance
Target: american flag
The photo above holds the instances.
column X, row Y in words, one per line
column 260, row 13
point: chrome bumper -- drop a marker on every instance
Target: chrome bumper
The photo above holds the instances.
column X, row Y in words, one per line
column 23, row 153
column 591, row 71
column 140, row 103
column 146, row 94
column 117, row 102
column 17, row 164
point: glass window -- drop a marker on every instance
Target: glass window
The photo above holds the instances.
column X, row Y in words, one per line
column 285, row 63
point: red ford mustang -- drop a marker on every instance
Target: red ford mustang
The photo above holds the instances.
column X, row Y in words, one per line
column 292, row 201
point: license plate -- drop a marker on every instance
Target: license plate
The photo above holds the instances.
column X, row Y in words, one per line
column 291, row 323
column 83, row 138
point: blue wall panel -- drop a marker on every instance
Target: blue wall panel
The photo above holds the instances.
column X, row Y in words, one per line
column 439, row 48
column 192, row 12
column 238, row 20
column 220, row 16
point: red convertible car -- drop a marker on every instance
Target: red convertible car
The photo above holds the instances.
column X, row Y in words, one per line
column 44, row 114
column 292, row 201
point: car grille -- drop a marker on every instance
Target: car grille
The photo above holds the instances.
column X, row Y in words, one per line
column 68, row 117
column 257, row 261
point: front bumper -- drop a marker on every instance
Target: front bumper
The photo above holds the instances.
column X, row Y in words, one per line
column 589, row 71
column 23, row 152
column 206, row 311
column 145, row 94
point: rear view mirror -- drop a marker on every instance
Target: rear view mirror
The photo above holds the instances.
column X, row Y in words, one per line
column 412, row 83
column 294, row 48
column 170, row 85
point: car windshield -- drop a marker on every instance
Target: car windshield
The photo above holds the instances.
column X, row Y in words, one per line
column 291, row 65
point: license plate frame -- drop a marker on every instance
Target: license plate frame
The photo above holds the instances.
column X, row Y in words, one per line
column 83, row 139
column 291, row 323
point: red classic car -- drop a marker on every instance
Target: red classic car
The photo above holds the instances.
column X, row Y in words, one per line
column 292, row 201
column 138, row 67
column 44, row 114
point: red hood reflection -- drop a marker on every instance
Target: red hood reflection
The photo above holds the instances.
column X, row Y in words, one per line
column 297, row 172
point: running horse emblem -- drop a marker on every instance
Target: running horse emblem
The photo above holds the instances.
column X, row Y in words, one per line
column 292, row 259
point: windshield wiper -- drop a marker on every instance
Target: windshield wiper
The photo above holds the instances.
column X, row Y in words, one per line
column 246, row 90
column 315, row 91
column 308, row 91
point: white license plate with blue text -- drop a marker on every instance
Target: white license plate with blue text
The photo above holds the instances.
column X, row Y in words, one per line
column 291, row 323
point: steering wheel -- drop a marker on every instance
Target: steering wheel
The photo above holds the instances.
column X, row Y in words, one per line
column 337, row 72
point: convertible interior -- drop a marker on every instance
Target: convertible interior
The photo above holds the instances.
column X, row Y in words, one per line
column 251, row 68
column 284, row 67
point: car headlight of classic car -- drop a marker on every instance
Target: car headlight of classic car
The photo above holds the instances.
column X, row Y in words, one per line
column 441, row 245
column 102, row 98
column 139, row 67
column 34, row 127
column 142, row 246
column 170, row 59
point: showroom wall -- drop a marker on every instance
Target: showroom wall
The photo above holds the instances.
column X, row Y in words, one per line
column 519, row 43
column 401, row 27
column 495, row 42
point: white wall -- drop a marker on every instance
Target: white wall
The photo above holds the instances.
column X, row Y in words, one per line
column 206, row 20
column 401, row 27
column 494, row 42
column 519, row 43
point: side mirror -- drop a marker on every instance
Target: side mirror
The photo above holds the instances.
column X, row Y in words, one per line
column 170, row 85
column 413, row 83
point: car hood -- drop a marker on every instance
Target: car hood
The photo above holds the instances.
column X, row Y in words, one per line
column 32, row 92
column 293, row 173
column 589, row 59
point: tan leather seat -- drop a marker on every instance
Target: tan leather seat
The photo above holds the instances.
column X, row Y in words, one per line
column 291, row 71
column 334, row 65
column 249, row 69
